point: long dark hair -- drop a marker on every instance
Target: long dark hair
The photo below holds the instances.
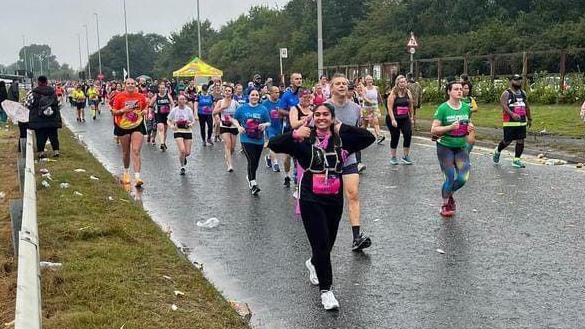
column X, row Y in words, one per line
column 336, row 138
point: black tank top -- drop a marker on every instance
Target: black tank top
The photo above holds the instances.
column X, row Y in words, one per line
column 163, row 103
column 300, row 114
column 401, row 106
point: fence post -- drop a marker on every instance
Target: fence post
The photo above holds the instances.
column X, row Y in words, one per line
column 439, row 73
column 525, row 70
column 492, row 60
column 563, row 69
column 465, row 63
column 416, row 70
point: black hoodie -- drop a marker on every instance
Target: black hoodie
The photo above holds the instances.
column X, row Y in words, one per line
column 38, row 120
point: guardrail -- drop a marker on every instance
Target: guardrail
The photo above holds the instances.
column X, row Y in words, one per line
column 28, row 286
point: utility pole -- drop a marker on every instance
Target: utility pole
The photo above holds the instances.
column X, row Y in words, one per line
column 198, row 30
column 126, row 34
column 79, row 43
column 24, row 50
column 87, row 45
column 319, row 38
column 97, row 27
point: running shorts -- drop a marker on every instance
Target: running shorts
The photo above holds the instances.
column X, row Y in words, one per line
column 514, row 133
column 233, row 131
column 183, row 135
column 122, row 132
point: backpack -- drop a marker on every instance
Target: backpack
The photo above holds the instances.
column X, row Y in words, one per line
column 45, row 104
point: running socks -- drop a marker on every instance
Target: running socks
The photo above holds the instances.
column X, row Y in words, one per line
column 519, row 149
column 356, row 231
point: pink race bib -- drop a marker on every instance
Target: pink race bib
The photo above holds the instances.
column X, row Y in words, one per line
column 402, row 110
column 520, row 110
column 326, row 185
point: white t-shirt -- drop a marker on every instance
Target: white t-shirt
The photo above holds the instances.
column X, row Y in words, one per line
column 180, row 115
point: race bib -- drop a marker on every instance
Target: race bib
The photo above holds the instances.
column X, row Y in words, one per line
column 206, row 110
column 253, row 129
column 164, row 109
column 463, row 129
column 326, row 184
column 520, row 110
column 402, row 110
column 274, row 114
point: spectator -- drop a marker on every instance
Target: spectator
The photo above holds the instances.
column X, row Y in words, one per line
column 44, row 117
column 13, row 92
column 3, row 97
column 416, row 91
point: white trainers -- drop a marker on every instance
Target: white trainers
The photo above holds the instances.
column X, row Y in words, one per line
column 328, row 300
column 312, row 273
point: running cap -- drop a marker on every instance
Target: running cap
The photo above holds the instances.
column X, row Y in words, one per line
column 516, row 77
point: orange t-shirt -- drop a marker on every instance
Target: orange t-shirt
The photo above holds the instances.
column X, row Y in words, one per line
column 131, row 119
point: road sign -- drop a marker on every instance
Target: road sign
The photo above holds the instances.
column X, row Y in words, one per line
column 412, row 50
column 283, row 53
column 412, row 43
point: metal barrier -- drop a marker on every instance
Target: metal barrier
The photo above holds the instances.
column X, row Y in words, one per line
column 28, row 287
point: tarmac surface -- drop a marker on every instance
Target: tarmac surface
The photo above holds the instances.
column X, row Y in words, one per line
column 514, row 254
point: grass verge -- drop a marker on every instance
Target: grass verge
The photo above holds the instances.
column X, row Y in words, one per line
column 8, row 185
column 114, row 257
column 560, row 120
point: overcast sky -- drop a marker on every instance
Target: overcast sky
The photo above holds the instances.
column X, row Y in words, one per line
column 57, row 22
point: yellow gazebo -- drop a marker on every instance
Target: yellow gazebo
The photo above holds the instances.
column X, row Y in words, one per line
column 197, row 68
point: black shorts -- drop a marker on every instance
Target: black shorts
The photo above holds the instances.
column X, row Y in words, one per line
column 161, row 118
column 183, row 135
column 224, row 130
column 95, row 102
column 80, row 105
column 514, row 133
column 350, row 169
column 122, row 132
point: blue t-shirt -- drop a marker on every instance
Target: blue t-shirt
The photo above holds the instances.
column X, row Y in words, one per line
column 249, row 118
column 241, row 99
column 288, row 100
column 204, row 104
column 275, row 117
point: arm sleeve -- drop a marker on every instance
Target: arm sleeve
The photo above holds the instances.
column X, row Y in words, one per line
column 285, row 143
column 355, row 139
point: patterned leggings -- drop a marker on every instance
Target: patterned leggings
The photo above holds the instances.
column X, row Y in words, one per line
column 455, row 166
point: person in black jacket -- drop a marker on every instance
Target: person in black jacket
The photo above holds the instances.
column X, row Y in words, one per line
column 13, row 92
column 44, row 116
column 321, row 151
column 3, row 97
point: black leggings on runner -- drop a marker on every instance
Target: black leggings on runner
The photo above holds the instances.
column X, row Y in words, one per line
column 253, row 153
column 205, row 119
column 43, row 134
column 404, row 126
column 321, row 223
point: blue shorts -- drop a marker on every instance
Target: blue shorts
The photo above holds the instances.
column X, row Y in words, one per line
column 350, row 169
column 270, row 133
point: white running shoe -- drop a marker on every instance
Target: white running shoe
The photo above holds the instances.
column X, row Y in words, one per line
column 328, row 300
column 312, row 272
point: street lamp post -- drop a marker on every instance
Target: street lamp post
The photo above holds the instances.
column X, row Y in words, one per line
column 79, row 43
column 87, row 45
column 97, row 27
column 24, row 50
column 319, row 39
column 198, row 30
column 126, row 34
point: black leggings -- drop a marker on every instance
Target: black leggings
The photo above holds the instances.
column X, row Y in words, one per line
column 321, row 223
column 203, row 120
column 405, row 127
column 253, row 153
column 47, row 133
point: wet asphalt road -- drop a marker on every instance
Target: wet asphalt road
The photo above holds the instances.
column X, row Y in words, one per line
column 514, row 254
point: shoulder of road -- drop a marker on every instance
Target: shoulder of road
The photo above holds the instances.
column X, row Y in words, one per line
column 119, row 269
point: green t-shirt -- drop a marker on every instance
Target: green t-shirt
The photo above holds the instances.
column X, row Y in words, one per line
column 448, row 115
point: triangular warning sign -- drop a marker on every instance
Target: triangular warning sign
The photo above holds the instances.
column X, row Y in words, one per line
column 412, row 42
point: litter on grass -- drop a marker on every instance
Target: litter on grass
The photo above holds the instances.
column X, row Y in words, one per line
column 79, row 170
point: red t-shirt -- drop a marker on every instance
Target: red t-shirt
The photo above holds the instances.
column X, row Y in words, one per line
column 133, row 100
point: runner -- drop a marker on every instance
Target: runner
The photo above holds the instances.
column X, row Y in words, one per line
column 320, row 151
column 469, row 100
column 59, row 91
column 348, row 113
column 319, row 96
column 324, row 82
column 516, row 116
column 371, row 113
column 251, row 119
column 239, row 95
column 93, row 95
column 204, row 105
column 226, row 109
column 275, row 129
column 191, row 93
column 78, row 97
column 451, row 123
column 111, row 97
column 288, row 100
column 161, row 103
column 400, row 119
column 181, row 120
column 130, row 106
